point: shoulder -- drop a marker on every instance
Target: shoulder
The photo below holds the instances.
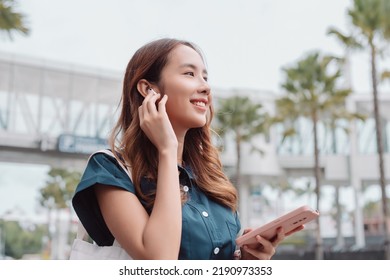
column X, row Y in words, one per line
column 101, row 169
column 104, row 169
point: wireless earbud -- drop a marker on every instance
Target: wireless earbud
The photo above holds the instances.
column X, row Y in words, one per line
column 152, row 90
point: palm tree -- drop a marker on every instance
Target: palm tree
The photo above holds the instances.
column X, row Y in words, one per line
column 312, row 92
column 337, row 211
column 244, row 119
column 371, row 26
column 58, row 192
column 10, row 20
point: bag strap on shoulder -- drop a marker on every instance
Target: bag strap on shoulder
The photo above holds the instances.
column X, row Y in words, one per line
column 110, row 153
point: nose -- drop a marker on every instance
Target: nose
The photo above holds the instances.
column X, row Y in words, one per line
column 204, row 87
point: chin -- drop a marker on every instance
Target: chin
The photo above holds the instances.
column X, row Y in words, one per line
column 199, row 123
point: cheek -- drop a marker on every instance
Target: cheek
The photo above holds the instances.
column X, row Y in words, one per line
column 173, row 106
column 176, row 100
column 169, row 108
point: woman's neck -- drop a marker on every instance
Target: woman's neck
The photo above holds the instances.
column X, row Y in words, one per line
column 180, row 149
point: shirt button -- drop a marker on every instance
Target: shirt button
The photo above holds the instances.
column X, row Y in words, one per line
column 185, row 188
column 205, row 214
column 216, row 250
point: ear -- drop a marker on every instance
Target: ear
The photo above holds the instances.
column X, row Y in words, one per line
column 143, row 86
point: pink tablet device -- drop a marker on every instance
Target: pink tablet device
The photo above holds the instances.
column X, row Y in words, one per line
column 289, row 221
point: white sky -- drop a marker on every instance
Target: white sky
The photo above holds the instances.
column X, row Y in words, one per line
column 246, row 42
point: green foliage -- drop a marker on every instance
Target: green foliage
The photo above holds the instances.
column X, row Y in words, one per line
column 59, row 188
column 22, row 240
column 385, row 75
column 371, row 29
column 367, row 16
column 385, row 12
column 10, row 20
column 370, row 24
column 58, row 192
column 241, row 116
column 244, row 119
column 312, row 92
column 347, row 40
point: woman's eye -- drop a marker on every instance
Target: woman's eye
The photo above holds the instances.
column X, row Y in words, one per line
column 189, row 73
column 205, row 78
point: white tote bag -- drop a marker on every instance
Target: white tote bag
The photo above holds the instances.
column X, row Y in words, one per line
column 84, row 250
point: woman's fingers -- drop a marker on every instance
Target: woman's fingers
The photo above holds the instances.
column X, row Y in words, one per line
column 142, row 110
column 150, row 103
column 280, row 235
column 263, row 250
column 161, row 104
column 268, row 247
column 148, row 106
column 155, row 122
column 295, row 230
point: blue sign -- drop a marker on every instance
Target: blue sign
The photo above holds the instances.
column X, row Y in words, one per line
column 68, row 143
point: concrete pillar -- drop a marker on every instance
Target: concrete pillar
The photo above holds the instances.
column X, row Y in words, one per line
column 244, row 206
column 355, row 180
column 340, row 242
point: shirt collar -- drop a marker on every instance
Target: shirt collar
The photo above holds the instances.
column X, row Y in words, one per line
column 187, row 170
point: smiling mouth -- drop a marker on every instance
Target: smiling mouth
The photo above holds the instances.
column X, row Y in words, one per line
column 199, row 104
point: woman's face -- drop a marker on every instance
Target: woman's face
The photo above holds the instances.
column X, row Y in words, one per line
column 184, row 80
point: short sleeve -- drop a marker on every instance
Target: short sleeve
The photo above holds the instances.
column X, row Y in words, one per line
column 100, row 169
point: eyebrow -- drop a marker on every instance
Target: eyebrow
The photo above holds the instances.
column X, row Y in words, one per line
column 192, row 66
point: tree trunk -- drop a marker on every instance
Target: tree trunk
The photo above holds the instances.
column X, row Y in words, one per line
column 319, row 251
column 379, row 142
column 340, row 239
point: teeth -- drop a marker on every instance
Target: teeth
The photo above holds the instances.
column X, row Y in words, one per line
column 199, row 103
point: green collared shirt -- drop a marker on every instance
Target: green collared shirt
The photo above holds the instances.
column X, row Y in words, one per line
column 209, row 229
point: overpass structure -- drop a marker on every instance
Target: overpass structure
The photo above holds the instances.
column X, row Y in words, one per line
column 53, row 113
column 57, row 114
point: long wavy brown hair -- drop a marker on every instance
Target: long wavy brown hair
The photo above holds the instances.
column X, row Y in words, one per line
column 129, row 141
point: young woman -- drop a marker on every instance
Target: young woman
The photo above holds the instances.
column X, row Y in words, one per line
column 179, row 204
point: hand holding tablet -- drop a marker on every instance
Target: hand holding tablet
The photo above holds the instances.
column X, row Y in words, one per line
column 288, row 222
